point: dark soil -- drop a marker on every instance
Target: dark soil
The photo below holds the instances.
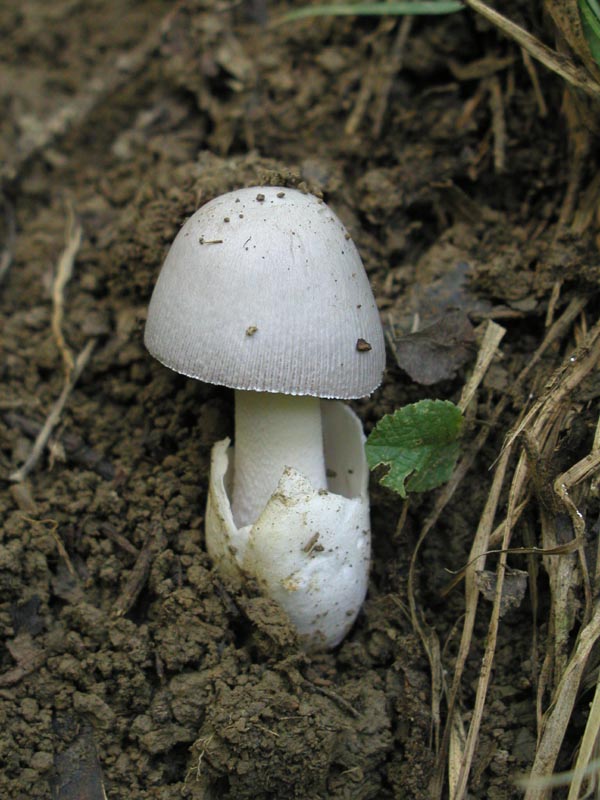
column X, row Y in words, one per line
column 126, row 661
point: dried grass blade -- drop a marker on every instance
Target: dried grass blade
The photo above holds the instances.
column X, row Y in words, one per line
column 64, row 272
column 516, row 491
column 494, row 540
column 426, row 634
column 587, row 747
column 478, row 550
column 563, row 701
column 556, row 62
column 54, row 415
column 456, row 751
column 561, row 384
column 492, row 337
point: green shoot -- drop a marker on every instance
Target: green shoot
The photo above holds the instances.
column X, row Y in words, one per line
column 419, row 443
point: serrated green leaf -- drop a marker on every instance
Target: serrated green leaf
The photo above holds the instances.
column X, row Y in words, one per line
column 419, row 443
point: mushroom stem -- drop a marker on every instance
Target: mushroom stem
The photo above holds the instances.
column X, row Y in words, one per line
column 272, row 432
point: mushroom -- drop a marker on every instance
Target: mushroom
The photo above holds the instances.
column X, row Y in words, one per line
column 264, row 291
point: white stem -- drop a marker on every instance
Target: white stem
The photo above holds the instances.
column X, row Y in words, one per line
column 272, row 432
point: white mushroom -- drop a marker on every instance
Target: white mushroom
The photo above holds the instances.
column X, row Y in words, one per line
column 264, row 291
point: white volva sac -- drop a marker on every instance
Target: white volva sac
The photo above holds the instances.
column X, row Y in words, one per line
column 264, row 291
column 309, row 548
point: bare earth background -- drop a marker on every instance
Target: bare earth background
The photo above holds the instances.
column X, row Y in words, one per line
column 125, row 661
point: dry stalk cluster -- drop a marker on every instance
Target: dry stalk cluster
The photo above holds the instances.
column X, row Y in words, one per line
column 573, row 573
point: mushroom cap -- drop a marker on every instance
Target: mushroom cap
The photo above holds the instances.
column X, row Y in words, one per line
column 264, row 290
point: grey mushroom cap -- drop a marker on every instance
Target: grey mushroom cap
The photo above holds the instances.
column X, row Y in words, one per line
column 264, row 290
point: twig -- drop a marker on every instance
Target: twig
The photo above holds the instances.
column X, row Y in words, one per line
column 111, row 533
column 587, row 209
column 553, row 301
column 54, row 415
column 492, row 337
column 336, row 698
column 52, row 525
column 75, row 448
column 498, row 123
column 583, row 469
column 391, row 68
column 138, row 576
column 535, row 82
column 64, row 270
column 580, row 145
column 362, row 100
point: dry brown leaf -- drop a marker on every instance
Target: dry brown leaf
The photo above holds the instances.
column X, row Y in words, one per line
column 438, row 350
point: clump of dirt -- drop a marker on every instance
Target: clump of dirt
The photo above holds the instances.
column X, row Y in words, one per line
column 126, row 661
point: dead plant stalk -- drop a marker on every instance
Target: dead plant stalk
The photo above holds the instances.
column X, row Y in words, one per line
column 55, row 413
column 64, row 272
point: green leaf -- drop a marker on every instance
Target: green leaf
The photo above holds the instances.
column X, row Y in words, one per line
column 419, row 443
column 412, row 7
column 590, row 21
